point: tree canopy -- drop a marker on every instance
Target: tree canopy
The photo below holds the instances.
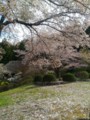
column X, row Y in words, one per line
column 42, row 20
column 43, row 14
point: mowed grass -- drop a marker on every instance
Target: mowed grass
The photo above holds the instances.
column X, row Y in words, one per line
column 66, row 101
column 12, row 96
column 22, row 93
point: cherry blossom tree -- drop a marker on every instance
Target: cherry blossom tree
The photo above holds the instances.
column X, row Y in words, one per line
column 54, row 29
column 38, row 13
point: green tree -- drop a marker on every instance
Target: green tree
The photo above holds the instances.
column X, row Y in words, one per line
column 21, row 46
column 9, row 54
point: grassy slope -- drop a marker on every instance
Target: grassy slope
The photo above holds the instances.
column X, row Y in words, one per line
column 63, row 101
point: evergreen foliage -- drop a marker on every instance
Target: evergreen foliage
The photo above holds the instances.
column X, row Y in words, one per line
column 69, row 77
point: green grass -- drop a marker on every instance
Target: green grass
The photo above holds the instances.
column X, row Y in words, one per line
column 12, row 96
column 5, row 100
column 73, row 97
column 22, row 93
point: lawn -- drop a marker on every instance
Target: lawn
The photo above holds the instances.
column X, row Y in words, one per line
column 60, row 102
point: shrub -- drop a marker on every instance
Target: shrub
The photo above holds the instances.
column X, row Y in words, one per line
column 82, row 75
column 57, row 72
column 4, row 83
column 48, row 78
column 89, row 75
column 51, row 72
column 4, row 86
column 69, row 77
column 63, row 72
column 88, row 69
column 75, row 70
column 38, row 78
column 26, row 80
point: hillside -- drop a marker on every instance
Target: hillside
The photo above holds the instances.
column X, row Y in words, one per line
column 65, row 101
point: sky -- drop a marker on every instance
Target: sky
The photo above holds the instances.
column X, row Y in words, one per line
column 18, row 33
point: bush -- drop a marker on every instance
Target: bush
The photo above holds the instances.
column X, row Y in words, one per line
column 82, row 75
column 57, row 72
column 89, row 75
column 38, row 78
column 4, row 86
column 63, row 72
column 48, row 78
column 69, row 77
column 88, row 69
column 26, row 80
column 51, row 72
column 4, row 83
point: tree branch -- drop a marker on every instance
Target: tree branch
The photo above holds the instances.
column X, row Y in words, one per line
column 40, row 21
